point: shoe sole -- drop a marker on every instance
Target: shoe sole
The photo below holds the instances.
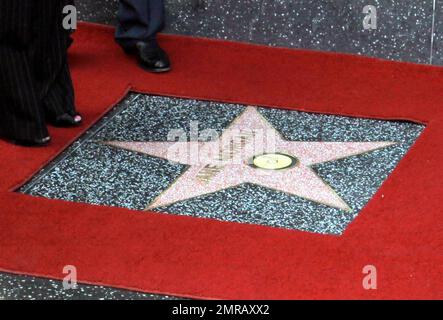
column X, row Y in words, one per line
column 158, row 70
column 31, row 144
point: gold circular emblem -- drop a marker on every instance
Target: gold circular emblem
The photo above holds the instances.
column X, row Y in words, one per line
column 273, row 161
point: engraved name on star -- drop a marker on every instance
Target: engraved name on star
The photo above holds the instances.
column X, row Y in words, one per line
column 228, row 162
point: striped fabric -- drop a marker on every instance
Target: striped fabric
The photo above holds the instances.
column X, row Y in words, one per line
column 35, row 83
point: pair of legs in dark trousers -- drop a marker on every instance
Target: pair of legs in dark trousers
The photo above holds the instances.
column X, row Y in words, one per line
column 139, row 20
column 35, row 82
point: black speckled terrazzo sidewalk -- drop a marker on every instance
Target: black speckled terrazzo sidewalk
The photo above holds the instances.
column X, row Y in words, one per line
column 13, row 287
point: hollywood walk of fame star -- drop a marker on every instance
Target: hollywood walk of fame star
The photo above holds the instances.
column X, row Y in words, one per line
column 236, row 158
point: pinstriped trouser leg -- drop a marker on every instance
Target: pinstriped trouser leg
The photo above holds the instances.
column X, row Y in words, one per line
column 21, row 111
column 60, row 96
column 34, row 76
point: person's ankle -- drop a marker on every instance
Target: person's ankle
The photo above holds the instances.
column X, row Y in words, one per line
column 152, row 43
column 133, row 47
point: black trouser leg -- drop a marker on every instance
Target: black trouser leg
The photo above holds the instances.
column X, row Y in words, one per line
column 60, row 96
column 139, row 20
column 21, row 110
column 34, row 75
column 57, row 89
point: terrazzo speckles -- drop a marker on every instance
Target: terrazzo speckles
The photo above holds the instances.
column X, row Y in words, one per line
column 100, row 11
column 91, row 171
column 437, row 50
column 403, row 32
column 403, row 27
column 15, row 287
column 229, row 20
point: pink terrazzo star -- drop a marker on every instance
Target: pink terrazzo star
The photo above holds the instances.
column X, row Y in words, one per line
column 226, row 162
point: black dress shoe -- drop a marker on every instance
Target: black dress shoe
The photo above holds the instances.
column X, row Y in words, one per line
column 151, row 58
column 39, row 142
column 66, row 120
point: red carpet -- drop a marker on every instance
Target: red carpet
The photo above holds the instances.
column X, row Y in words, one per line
column 400, row 231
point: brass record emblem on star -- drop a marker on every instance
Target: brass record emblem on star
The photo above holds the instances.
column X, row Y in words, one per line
column 273, row 161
